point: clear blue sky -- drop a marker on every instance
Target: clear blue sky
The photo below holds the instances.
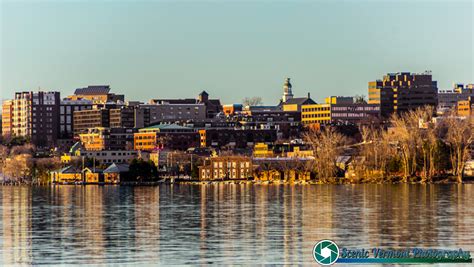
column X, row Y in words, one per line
column 231, row 49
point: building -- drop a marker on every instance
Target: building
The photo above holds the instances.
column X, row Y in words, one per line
column 66, row 115
column 7, row 116
column 69, row 174
column 226, row 168
column 403, row 91
column 173, row 112
column 102, row 138
column 340, row 110
column 116, row 173
column 98, row 94
column 108, row 156
column 165, row 136
column 122, row 117
column 262, row 150
column 448, row 99
column 35, row 115
column 93, row 118
column 212, row 107
column 231, row 109
column 235, row 137
column 465, row 107
column 286, row 123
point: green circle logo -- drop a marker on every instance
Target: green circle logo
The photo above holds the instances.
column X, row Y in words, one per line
column 326, row 252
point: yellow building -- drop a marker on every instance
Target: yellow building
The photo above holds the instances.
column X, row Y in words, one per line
column 298, row 153
column 262, row 150
column 94, row 139
column 93, row 176
column 7, row 116
column 144, row 141
column 68, row 174
column 465, row 107
column 316, row 113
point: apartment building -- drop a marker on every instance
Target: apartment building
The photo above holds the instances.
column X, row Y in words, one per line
column 226, row 168
column 7, row 116
column 66, row 115
column 102, row 138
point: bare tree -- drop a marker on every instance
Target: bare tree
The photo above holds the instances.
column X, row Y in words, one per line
column 252, row 101
column 327, row 145
column 459, row 136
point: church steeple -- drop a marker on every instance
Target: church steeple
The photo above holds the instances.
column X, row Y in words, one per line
column 287, row 93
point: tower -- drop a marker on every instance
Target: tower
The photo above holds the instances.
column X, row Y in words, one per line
column 287, row 93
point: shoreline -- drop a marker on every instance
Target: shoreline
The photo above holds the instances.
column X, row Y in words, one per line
column 445, row 180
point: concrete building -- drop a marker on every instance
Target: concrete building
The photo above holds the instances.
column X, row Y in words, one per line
column 173, row 112
column 109, row 156
column 448, row 99
column 101, row 138
column 165, row 136
column 7, row 117
column 66, row 115
column 340, row 110
column 35, row 115
column 212, row 106
column 93, row 118
column 403, row 91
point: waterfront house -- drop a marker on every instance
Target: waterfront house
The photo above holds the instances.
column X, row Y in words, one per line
column 115, row 173
column 93, row 175
column 69, row 174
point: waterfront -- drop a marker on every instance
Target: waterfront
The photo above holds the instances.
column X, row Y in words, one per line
column 225, row 224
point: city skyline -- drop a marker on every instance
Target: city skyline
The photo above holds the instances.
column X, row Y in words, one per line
column 166, row 49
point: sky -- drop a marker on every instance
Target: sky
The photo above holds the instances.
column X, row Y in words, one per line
column 231, row 49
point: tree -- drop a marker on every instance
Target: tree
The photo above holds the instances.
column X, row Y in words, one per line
column 253, row 101
column 459, row 136
column 327, row 144
column 360, row 99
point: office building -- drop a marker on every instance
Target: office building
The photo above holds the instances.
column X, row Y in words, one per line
column 403, row 91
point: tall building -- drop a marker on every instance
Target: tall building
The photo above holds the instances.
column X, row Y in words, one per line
column 287, row 92
column 403, row 91
column 101, row 138
column 66, row 115
column 7, row 114
column 93, row 118
column 36, row 115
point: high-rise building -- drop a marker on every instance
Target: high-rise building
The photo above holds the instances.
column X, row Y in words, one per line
column 36, row 115
column 195, row 107
column 403, row 91
column 7, row 114
column 66, row 116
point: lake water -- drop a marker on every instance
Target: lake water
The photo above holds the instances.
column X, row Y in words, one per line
column 225, row 224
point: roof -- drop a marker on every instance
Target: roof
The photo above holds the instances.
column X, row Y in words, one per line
column 300, row 101
column 117, row 168
column 69, row 169
column 93, row 90
column 161, row 127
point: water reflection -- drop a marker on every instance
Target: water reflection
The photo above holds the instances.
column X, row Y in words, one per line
column 215, row 224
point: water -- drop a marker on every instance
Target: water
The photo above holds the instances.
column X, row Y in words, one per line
column 225, row 224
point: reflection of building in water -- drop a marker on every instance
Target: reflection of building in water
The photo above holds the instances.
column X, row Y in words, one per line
column 147, row 217
column 16, row 222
